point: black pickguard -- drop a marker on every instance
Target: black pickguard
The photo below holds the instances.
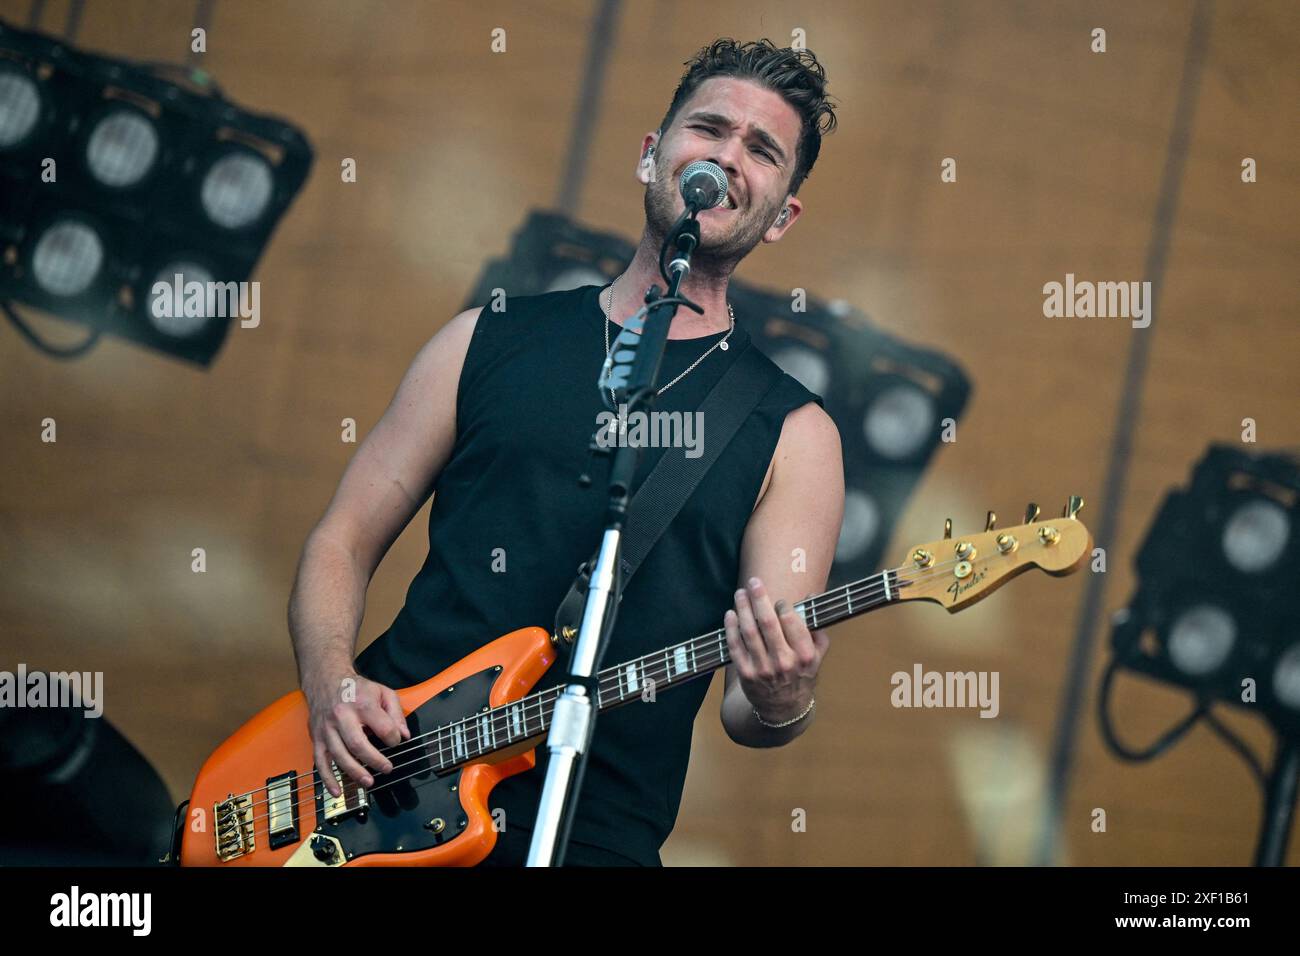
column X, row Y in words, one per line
column 399, row 816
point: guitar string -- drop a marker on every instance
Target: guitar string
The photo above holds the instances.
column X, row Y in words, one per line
column 611, row 679
column 717, row 637
column 547, row 697
column 854, row 592
column 613, row 674
column 659, row 674
column 843, row 598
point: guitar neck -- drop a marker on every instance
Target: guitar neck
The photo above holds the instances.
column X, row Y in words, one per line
column 704, row 654
column 979, row 564
column 509, row 724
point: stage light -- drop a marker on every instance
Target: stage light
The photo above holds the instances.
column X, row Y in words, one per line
column 1200, row 639
column 156, row 171
column 237, row 189
column 1213, row 614
column 122, row 148
column 67, row 258
column 887, row 397
column 860, row 527
column 1286, row 678
column 899, row 420
column 575, row 279
column 1214, row 569
column 20, row 107
column 1255, row 535
column 805, row 365
column 77, row 792
column 174, row 321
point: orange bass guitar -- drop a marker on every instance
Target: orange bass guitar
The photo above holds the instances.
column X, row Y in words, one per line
column 258, row 800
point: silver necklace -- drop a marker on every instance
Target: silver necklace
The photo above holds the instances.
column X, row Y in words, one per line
column 722, row 344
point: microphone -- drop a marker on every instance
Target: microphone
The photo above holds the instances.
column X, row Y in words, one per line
column 703, row 185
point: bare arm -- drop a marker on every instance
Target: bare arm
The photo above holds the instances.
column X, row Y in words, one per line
column 389, row 478
column 774, row 657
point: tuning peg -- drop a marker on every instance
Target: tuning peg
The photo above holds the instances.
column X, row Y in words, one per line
column 990, row 521
column 1031, row 513
column 947, row 528
column 1072, row 507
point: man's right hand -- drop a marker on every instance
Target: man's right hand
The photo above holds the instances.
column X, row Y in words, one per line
column 341, row 708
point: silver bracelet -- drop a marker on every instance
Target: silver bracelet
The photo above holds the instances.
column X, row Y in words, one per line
column 785, row 723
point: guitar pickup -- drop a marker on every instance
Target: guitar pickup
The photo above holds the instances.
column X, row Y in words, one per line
column 282, row 810
column 352, row 799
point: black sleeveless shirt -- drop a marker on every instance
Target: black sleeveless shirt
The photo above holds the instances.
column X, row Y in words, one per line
column 526, row 409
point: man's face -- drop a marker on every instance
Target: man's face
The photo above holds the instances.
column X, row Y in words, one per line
column 724, row 121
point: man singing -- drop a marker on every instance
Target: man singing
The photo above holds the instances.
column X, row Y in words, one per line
column 496, row 413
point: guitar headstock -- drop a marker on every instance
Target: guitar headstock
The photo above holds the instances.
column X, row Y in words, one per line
column 957, row 572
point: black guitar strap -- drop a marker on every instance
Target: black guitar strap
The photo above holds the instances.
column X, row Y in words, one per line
column 673, row 478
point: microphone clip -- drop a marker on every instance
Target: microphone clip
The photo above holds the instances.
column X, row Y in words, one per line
column 686, row 238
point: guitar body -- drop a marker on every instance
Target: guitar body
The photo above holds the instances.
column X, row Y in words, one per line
column 258, row 802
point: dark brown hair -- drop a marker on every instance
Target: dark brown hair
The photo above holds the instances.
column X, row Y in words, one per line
column 794, row 74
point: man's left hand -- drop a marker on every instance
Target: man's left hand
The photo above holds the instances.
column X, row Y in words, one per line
column 775, row 655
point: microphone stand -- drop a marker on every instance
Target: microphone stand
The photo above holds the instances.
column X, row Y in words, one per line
column 573, row 719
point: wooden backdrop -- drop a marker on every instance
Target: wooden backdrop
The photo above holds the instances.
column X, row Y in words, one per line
column 1061, row 154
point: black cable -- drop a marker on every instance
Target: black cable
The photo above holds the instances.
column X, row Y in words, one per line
column 36, row 13
column 202, row 19
column 60, row 352
column 1170, row 737
column 1239, row 745
column 73, row 23
column 189, row 70
column 602, row 39
column 1201, row 711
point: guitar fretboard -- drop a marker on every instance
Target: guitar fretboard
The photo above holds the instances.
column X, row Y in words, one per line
column 528, row 717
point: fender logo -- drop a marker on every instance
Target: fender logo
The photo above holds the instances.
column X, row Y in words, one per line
column 958, row 588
